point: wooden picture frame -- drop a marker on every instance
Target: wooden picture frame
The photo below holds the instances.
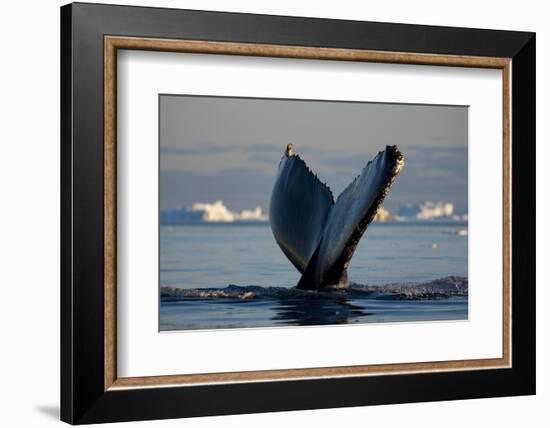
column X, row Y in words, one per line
column 91, row 391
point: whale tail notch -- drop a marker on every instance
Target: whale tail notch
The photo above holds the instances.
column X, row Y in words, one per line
column 317, row 234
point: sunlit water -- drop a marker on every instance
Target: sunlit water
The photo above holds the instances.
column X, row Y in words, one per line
column 206, row 256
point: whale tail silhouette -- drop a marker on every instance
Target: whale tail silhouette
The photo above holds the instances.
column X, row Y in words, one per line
column 317, row 234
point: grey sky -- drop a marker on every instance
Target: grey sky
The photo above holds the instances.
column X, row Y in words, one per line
column 229, row 148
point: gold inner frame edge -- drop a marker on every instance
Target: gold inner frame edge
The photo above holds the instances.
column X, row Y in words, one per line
column 113, row 43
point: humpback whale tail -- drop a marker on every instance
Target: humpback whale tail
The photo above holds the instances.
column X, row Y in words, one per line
column 317, row 234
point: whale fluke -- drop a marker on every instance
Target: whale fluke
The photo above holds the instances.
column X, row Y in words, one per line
column 318, row 235
column 298, row 210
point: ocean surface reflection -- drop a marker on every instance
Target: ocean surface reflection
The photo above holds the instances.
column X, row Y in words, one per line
column 317, row 311
column 222, row 313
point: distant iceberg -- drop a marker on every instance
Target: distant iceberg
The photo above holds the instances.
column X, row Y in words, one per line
column 211, row 212
column 440, row 210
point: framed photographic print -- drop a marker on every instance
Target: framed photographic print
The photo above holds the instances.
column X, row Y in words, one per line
column 277, row 213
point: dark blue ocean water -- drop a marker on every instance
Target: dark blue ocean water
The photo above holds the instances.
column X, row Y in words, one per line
column 205, row 256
